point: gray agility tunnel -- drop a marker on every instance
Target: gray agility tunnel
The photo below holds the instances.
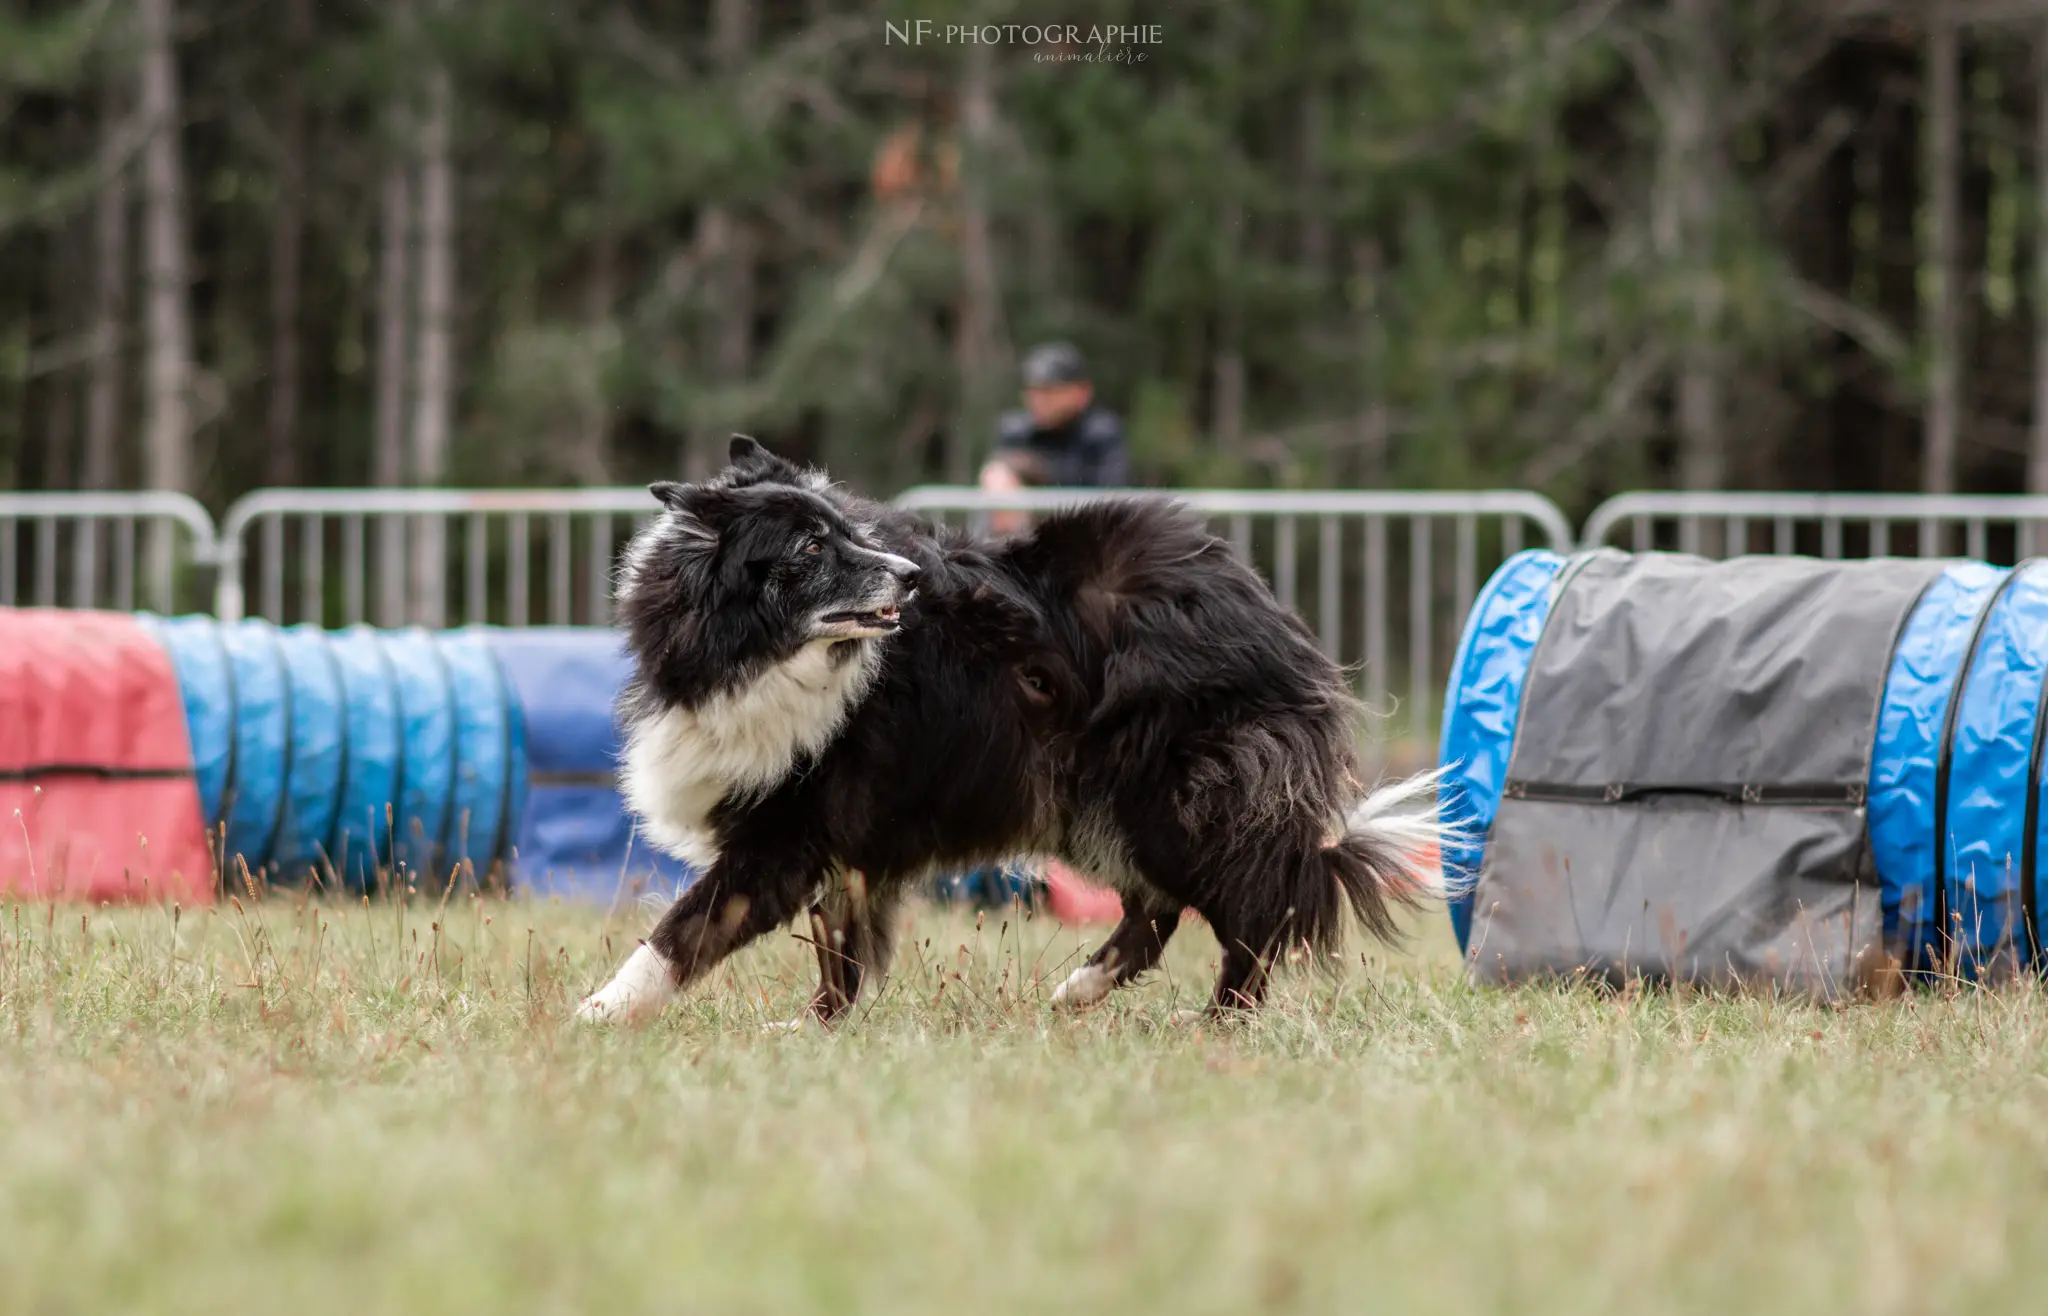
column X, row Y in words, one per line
column 1764, row 770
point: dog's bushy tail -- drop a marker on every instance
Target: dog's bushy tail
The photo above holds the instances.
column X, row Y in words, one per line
column 1388, row 858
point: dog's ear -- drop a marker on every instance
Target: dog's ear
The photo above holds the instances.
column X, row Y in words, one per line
column 690, row 506
column 754, row 464
column 1048, row 681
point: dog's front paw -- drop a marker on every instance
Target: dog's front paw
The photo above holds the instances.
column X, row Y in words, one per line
column 638, row 991
column 795, row 1025
column 612, row 1007
column 1084, row 987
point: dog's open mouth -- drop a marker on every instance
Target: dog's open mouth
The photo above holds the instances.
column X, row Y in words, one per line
column 857, row 622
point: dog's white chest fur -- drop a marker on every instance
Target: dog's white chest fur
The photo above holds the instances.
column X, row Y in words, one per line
column 682, row 762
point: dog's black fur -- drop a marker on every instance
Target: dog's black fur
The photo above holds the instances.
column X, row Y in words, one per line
column 1115, row 689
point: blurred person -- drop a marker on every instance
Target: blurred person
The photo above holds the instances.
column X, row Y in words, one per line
column 1061, row 438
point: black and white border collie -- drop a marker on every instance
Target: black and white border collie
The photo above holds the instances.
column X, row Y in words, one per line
column 833, row 700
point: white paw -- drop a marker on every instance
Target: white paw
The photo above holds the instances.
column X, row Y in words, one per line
column 795, row 1025
column 641, row 987
column 1083, row 987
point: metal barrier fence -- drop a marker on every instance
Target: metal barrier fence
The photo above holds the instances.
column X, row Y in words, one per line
column 1383, row 578
column 429, row 557
column 85, row 550
column 1995, row 528
column 1438, row 546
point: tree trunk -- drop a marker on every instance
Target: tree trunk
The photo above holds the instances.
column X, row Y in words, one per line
column 1227, row 361
column 591, row 458
column 433, row 401
column 60, row 429
column 167, row 430
column 1943, row 132
column 1690, row 197
column 102, row 464
column 1315, row 220
column 287, row 238
column 1367, row 261
column 2037, row 459
column 974, row 342
column 394, row 279
column 394, row 351
column 69, row 255
column 727, row 246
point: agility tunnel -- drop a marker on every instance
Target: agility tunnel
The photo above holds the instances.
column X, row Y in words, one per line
column 98, row 799
column 150, row 757
column 348, row 755
column 1769, row 769
column 575, row 836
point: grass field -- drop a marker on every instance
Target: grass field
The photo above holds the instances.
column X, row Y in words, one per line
column 319, row 1108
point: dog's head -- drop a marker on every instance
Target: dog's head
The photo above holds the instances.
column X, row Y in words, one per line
column 745, row 570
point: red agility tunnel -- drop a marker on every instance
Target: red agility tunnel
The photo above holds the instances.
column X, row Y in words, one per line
column 97, row 796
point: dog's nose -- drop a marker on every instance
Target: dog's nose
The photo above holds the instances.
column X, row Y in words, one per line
column 902, row 568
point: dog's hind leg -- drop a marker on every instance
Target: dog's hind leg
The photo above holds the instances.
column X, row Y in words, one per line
column 854, row 929
column 710, row 921
column 1253, row 942
column 1241, row 982
column 1133, row 948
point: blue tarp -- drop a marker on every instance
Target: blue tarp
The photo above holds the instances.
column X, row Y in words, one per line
column 1965, row 684
column 576, row 837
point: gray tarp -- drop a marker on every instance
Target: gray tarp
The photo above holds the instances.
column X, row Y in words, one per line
column 1685, row 795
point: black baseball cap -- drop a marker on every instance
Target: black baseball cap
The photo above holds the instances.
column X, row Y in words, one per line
column 1052, row 364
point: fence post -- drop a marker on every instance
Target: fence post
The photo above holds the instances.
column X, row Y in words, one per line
column 227, row 579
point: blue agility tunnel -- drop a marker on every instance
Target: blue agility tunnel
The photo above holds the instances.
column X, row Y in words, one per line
column 1766, row 769
column 575, row 836
column 348, row 753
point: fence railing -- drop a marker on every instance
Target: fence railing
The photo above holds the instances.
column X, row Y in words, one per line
column 430, row 557
column 1996, row 528
column 86, row 550
column 1383, row 578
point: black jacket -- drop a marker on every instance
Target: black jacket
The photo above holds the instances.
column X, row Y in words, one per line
column 1086, row 452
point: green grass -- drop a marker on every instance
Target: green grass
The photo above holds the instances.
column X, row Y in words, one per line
column 331, row 1108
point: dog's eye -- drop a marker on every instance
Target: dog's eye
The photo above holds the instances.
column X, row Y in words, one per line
column 1035, row 684
column 814, row 545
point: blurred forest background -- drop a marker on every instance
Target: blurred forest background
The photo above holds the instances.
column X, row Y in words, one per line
column 1573, row 245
